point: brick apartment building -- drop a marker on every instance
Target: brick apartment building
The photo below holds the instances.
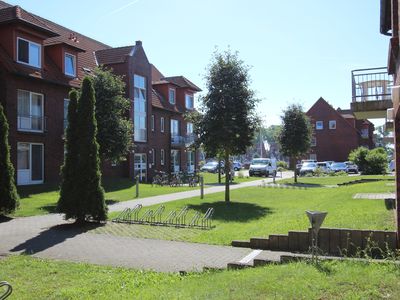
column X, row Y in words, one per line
column 337, row 132
column 40, row 61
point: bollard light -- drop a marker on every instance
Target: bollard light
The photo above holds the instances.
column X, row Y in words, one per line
column 316, row 219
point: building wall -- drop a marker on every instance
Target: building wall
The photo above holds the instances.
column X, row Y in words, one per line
column 331, row 144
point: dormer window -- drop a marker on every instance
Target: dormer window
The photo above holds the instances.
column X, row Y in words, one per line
column 29, row 53
column 70, row 64
column 189, row 101
column 172, row 96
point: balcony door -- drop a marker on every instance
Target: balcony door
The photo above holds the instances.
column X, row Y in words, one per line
column 140, row 166
column 30, row 111
column 30, row 166
column 175, row 161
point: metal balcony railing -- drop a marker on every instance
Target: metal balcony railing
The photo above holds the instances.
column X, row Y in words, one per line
column 183, row 141
column 372, row 84
column 31, row 123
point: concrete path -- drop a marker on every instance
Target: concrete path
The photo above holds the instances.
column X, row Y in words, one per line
column 374, row 196
column 189, row 194
column 52, row 237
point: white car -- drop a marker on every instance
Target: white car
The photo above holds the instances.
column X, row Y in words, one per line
column 263, row 166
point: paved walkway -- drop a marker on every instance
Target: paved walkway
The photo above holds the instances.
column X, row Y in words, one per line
column 52, row 237
column 374, row 196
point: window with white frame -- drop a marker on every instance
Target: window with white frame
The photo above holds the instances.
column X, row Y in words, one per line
column 66, row 104
column 319, row 125
column 332, row 124
column 313, row 157
column 70, row 64
column 153, row 156
column 190, row 156
column 189, row 128
column 30, row 111
column 313, row 141
column 174, row 127
column 152, row 123
column 172, row 96
column 189, row 101
column 162, row 124
column 162, row 157
column 29, row 53
column 364, row 133
column 140, row 108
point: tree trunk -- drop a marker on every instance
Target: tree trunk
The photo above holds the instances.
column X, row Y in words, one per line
column 219, row 169
column 295, row 170
column 227, row 177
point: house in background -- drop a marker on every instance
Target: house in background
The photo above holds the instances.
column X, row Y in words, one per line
column 336, row 132
column 41, row 61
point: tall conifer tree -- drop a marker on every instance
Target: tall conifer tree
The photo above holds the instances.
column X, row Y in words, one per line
column 8, row 192
column 69, row 174
column 90, row 193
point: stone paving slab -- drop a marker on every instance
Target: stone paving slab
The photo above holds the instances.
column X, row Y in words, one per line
column 50, row 236
column 374, row 196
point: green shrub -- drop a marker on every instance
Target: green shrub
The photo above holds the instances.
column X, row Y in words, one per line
column 358, row 156
column 376, row 162
column 282, row 165
column 319, row 172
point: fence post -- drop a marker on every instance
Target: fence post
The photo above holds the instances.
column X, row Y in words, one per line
column 137, row 186
column 201, row 187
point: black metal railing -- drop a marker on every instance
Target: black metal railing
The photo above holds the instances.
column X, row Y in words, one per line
column 31, row 123
column 371, row 84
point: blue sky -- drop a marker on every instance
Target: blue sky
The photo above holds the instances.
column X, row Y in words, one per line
column 297, row 50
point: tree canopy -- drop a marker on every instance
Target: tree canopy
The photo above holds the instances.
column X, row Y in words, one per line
column 114, row 133
column 228, row 121
column 296, row 132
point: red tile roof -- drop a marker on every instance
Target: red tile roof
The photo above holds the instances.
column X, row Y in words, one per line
column 114, row 55
column 158, row 101
column 84, row 45
column 183, row 82
column 10, row 14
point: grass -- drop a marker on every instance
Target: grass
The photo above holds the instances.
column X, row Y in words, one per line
column 42, row 199
column 329, row 280
column 258, row 211
column 332, row 180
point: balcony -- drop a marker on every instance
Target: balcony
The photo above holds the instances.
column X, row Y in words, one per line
column 183, row 141
column 371, row 93
column 31, row 123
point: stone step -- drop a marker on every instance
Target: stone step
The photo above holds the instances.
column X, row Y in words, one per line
column 242, row 244
column 239, row 266
column 259, row 262
column 259, row 243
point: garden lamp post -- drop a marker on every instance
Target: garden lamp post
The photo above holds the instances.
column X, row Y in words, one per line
column 316, row 219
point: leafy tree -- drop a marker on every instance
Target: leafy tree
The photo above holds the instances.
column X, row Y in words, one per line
column 9, row 199
column 68, row 201
column 228, row 122
column 114, row 133
column 295, row 136
column 358, row 156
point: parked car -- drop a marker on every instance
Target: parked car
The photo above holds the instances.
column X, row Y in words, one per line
column 339, row 166
column 329, row 162
column 308, row 168
column 324, row 166
column 351, row 167
column 212, row 167
column 262, row 166
column 237, row 165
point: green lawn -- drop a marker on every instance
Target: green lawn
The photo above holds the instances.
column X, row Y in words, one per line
column 44, row 279
column 42, row 199
column 258, row 211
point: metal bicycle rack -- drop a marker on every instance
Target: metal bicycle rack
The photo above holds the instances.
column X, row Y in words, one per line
column 173, row 219
column 8, row 290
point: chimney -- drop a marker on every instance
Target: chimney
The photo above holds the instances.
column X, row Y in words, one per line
column 138, row 43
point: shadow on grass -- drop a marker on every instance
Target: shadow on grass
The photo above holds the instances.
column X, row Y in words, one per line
column 116, row 184
column 300, row 184
column 28, row 190
column 233, row 211
column 50, row 208
column 53, row 236
column 220, row 184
